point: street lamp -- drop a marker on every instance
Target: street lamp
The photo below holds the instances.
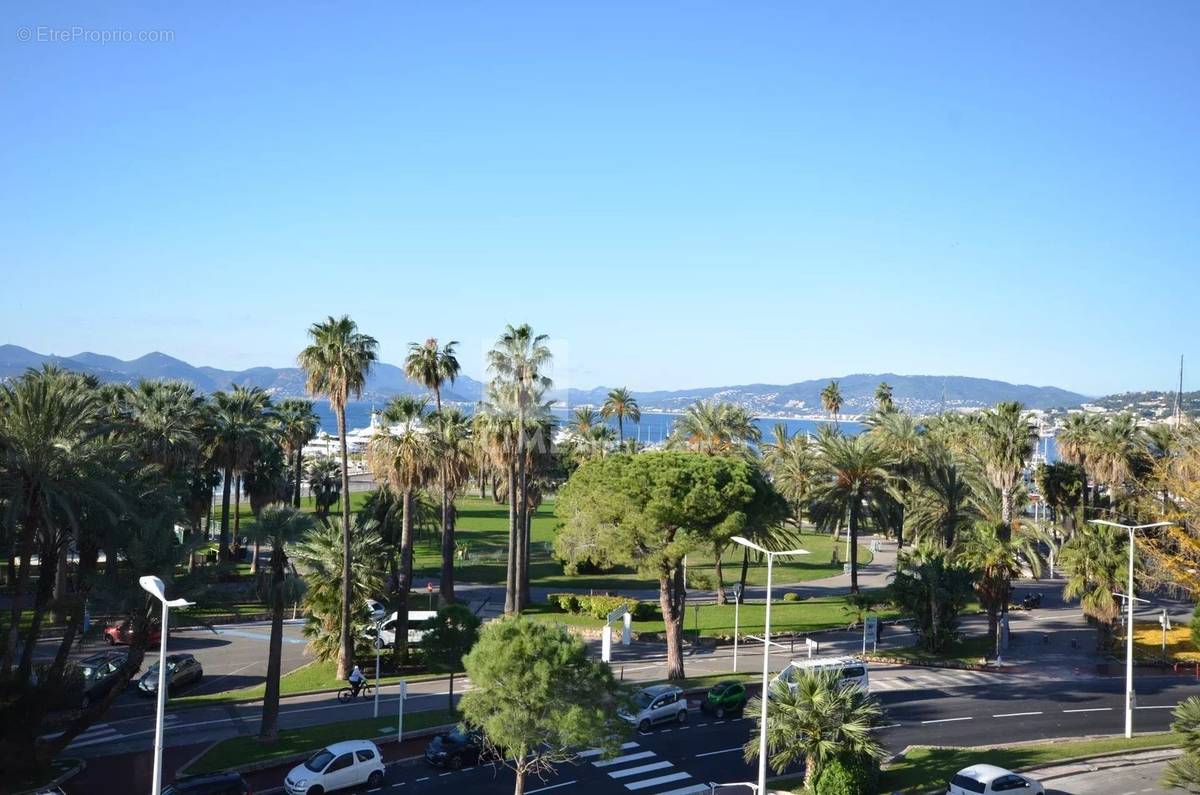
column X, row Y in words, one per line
column 154, row 586
column 762, row 729
column 1129, row 616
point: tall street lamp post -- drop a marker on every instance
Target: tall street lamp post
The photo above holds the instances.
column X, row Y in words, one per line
column 154, row 586
column 1129, row 616
column 762, row 728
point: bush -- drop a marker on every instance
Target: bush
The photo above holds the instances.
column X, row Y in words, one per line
column 849, row 775
column 645, row 611
column 563, row 602
column 601, row 606
column 791, row 596
column 1195, row 627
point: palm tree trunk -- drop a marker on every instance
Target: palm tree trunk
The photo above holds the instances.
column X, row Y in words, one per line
column 482, row 483
column 855, row 507
column 405, row 583
column 1006, row 513
column 510, row 583
column 672, row 596
column 223, row 543
column 235, row 540
column 520, row 499
column 621, row 432
column 526, row 593
column 450, row 696
column 346, row 651
column 299, row 477
column 268, row 729
column 745, row 567
column 60, row 582
column 45, row 591
column 720, row 575
column 29, row 531
column 446, row 586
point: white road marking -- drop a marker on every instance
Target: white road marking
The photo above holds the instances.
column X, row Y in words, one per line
column 552, row 786
column 945, row 720
column 725, row 751
column 654, row 782
column 1160, row 706
column 597, row 751
column 623, row 759
column 1093, row 709
column 1015, row 714
column 637, row 771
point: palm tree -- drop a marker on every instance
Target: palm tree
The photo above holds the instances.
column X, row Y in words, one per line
column 1006, row 440
column 239, row 426
column 1075, row 441
column 1163, row 444
column 792, row 462
column 831, row 399
column 621, row 403
column 401, row 455
column 997, row 557
column 1120, row 449
column 280, row 526
column 856, row 467
column 1094, row 561
column 167, row 417
column 298, row 425
column 583, row 420
column 450, row 438
column 883, row 398
column 336, row 364
column 815, row 720
column 715, row 428
column 942, row 507
column 325, row 485
column 903, row 440
column 519, row 360
column 431, row 366
column 266, row 482
column 496, row 432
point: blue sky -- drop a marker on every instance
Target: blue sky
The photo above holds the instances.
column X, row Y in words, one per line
column 680, row 194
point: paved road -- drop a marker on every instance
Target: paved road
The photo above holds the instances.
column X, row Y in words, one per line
column 1131, row 780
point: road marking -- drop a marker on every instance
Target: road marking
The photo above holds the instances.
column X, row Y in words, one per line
column 945, row 720
column 552, row 786
column 426, row 778
column 637, row 771
column 1161, row 706
column 441, row 775
column 692, row 790
column 725, row 751
column 887, row 726
column 1093, row 709
column 654, row 782
column 1015, row 714
column 623, row 759
column 597, row 751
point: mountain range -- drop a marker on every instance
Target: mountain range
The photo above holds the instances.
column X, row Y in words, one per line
column 917, row 393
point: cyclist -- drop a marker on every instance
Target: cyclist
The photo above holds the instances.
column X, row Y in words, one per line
column 357, row 680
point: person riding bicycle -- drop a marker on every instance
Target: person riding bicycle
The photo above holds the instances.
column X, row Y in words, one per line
column 357, row 680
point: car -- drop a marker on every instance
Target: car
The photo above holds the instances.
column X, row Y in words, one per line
column 1032, row 601
column 182, row 669
column 725, row 698
column 121, row 633
column 387, row 630
column 337, row 766
column 986, row 779
column 101, row 673
column 656, row 704
column 851, row 671
column 457, row 749
column 211, row 784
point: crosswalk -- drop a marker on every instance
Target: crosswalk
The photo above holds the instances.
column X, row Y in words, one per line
column 103, row 733
column 643, row 771
column 937, row 679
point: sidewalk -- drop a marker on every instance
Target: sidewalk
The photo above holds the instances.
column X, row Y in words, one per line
column 1117, row 774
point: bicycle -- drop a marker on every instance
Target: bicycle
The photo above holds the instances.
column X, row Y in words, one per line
column 346, row 694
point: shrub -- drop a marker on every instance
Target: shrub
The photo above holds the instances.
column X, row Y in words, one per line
column 848, row 775
column 601, row 606
column 563, row 602
column 791, row 596
column 645, row 611
column 1195, row 627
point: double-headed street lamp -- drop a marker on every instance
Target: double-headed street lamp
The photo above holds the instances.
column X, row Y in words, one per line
column 1129, row 616
column 766, row 683
column 154, row 586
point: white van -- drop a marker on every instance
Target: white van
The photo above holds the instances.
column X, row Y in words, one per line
column 388, row 630
column 851, row 670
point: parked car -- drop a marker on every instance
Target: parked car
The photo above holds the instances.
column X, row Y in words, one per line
column 101, row 673
column 121, row 633
column 335, row 767
column 986, row 779
column 457, row 749
column 851, row 671
column 656, row 704
column 212, row 784
column 725, row 698
column 182, row 669
column 387, row 630
column 1031, row 601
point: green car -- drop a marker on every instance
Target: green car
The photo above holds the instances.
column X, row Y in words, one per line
column 725, row 698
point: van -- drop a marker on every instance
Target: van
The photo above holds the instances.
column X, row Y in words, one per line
column 851, row 670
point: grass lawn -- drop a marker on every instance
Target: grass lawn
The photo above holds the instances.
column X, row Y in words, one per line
column 965, row 650
column 238, row 751
column 483, row 526
column 924, row 769
column 808, row 615
column 1148, row 638
column 312, row 678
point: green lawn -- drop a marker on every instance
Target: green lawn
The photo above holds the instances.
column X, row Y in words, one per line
column 965, row 650
column 315, row 677
column 924, row 769
column 808, row 615
column 238, row 751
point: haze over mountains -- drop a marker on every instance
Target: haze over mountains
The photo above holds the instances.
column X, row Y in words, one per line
column 918, row 393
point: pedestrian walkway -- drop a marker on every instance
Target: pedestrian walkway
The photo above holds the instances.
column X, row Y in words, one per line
column 645, row 772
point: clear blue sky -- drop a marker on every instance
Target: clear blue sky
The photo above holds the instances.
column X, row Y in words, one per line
column 680, row 194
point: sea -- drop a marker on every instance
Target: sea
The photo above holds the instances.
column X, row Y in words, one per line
column 653, row 428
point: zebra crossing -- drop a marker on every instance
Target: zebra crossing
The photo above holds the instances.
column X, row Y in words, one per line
column 103, row 733
column 936, row 679
column 643, row 771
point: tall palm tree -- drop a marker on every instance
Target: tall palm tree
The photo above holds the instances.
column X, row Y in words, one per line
column 942, row 508
column 621, row 403
column 1094, row 561
column 1075, row 441
column 266, row 482
column 1163, row 444
column 280, row 526
column 884, row 402
column 336, row 364
column 715, row 428
column 167, row 418
column 1120, row 449
column 814, row 721
column 325, row 484
column 450, row 439
column 496, row 432
column 856, row 468
column 298, row 425
column 583, row 420
column 831, row 399
column 239, row 423
column 401, row 455
column 997, row 558
column 519, row 359
column 792, row 462
column 903, row 440
column 1006, row 440
column 431, row 366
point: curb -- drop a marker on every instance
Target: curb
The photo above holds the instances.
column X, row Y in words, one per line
column 81, row 764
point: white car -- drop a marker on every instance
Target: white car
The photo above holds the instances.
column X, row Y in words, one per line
column 387, row 631
column 986, row 779
column 335, row 767
column 657, row 704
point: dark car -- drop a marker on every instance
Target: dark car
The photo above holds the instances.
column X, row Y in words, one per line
column 121, row 633
column 456, row 749
column 182, row 669
column 101, row 673
column 725, row 698
column 214, row 784
column 1031, row 601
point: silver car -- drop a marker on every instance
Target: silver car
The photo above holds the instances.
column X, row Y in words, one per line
column 657, row 704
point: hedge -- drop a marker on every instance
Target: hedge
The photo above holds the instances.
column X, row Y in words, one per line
column 600, row 606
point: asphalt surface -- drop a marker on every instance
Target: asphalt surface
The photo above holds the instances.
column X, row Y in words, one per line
column 1131, row 780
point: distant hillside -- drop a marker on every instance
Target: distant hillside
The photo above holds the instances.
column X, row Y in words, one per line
column 916, row 393
column 1151, row 405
